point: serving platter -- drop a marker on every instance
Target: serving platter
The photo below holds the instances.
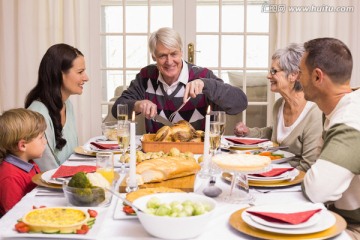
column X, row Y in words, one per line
column 149, row 145
column 185, row 184
column 119, row 213
column 10, row 232
column 240, row 225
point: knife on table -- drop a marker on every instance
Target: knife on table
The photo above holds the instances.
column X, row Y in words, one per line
column 162, row 120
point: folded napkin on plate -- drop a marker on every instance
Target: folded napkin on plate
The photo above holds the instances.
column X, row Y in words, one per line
column 247, row 141
column 273, row 172
column 290, row 218
column 105, row 145
column 68, row 171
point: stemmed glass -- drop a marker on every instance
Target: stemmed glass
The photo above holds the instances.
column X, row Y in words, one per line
column 220, row 118
column 122, row 112
column 123, row 136
column 215, row 136
column 215, row 139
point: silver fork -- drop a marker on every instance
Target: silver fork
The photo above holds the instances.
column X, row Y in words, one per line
column 171, row 117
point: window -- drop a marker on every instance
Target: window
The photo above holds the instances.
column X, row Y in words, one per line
column 231, row 38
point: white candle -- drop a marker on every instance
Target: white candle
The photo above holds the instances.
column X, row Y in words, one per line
column 207, row 138
column 132, row 170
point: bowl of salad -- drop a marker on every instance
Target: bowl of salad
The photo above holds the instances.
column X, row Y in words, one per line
column 175, row 215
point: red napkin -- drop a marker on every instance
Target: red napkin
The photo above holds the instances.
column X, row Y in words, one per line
column 272, row 173
column 291, row 218
column 105, row 145
column 246, row 141
column 68, row 171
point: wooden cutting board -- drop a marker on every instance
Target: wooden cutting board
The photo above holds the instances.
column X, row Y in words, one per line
column 185, row 184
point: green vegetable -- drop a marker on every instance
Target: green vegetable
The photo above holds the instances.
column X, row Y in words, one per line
column 176, row 208
column 83, row 192
column 79, row 180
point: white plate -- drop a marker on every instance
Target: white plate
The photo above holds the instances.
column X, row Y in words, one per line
column 119, row 213
column 325, row 221
column 287, row 156
column 92, row 234
column 46, row 176
column 90, row 148
column 282, row 177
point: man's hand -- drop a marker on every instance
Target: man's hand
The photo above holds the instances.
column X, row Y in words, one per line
column 193, row 88
column 241, row 130
column 146, row 107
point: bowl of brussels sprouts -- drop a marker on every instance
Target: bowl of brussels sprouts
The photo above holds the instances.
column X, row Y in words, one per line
column 175, row 215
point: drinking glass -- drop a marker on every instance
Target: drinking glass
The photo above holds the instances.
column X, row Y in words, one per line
column 123, row 136
column 122, row 112
column 215, row 139
column 220, row 116
column 105, row 165
column 215, row 136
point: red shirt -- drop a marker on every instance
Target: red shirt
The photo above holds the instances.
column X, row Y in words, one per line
column 15, row 181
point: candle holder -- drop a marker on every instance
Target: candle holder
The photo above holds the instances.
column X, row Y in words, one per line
column 131, row 182
column 131, row 186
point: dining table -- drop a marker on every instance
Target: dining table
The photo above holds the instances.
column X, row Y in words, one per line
column 112, row 223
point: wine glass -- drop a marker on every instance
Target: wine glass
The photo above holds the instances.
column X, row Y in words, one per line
column 215, row 139
column 122, row 112
column 123, row 136
column 220, row 116
column 215, row 136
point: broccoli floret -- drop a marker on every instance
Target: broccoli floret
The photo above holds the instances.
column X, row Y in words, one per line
column 83, row 192
column 80, row 180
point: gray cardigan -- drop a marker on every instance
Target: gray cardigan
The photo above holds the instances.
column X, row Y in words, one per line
column 304, row 141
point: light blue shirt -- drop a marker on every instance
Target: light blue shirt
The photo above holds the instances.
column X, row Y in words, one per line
column 53, row 157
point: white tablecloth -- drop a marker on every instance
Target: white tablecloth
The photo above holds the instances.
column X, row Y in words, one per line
column 109, row 228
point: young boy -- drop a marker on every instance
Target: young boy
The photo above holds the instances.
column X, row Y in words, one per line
column 22, row 139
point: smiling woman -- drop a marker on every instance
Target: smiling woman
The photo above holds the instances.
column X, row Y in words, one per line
column 61, row 74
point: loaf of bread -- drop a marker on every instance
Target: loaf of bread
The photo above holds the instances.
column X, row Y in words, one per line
column 167, row 167
column 132, row 196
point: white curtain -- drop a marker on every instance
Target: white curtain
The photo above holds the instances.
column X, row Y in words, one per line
column 320, row 18
column 27, row 29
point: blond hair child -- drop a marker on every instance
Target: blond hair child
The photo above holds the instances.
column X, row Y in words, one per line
column 22, row 139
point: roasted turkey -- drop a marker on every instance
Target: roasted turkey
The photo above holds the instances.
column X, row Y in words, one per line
column 181, row 131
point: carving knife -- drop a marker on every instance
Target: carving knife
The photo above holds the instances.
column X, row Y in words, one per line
column 162, row 120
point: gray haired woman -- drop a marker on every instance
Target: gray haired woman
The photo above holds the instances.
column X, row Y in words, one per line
column 296, row 123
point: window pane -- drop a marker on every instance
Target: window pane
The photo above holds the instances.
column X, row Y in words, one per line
column 236, row 78
column 208, row 54
column 232, row 17
column 256, row 116
column 112, row 19
column 136, row 19
column 256, row 86
column 111, row 80
column 232, row 51
column 161, row 16
column 257, row 51
column 136, row 51
column 257, row 21
column 207, row 16
column 113, row 56
column 130, row 75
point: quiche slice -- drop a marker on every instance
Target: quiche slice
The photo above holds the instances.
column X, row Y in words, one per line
column 55, row 219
